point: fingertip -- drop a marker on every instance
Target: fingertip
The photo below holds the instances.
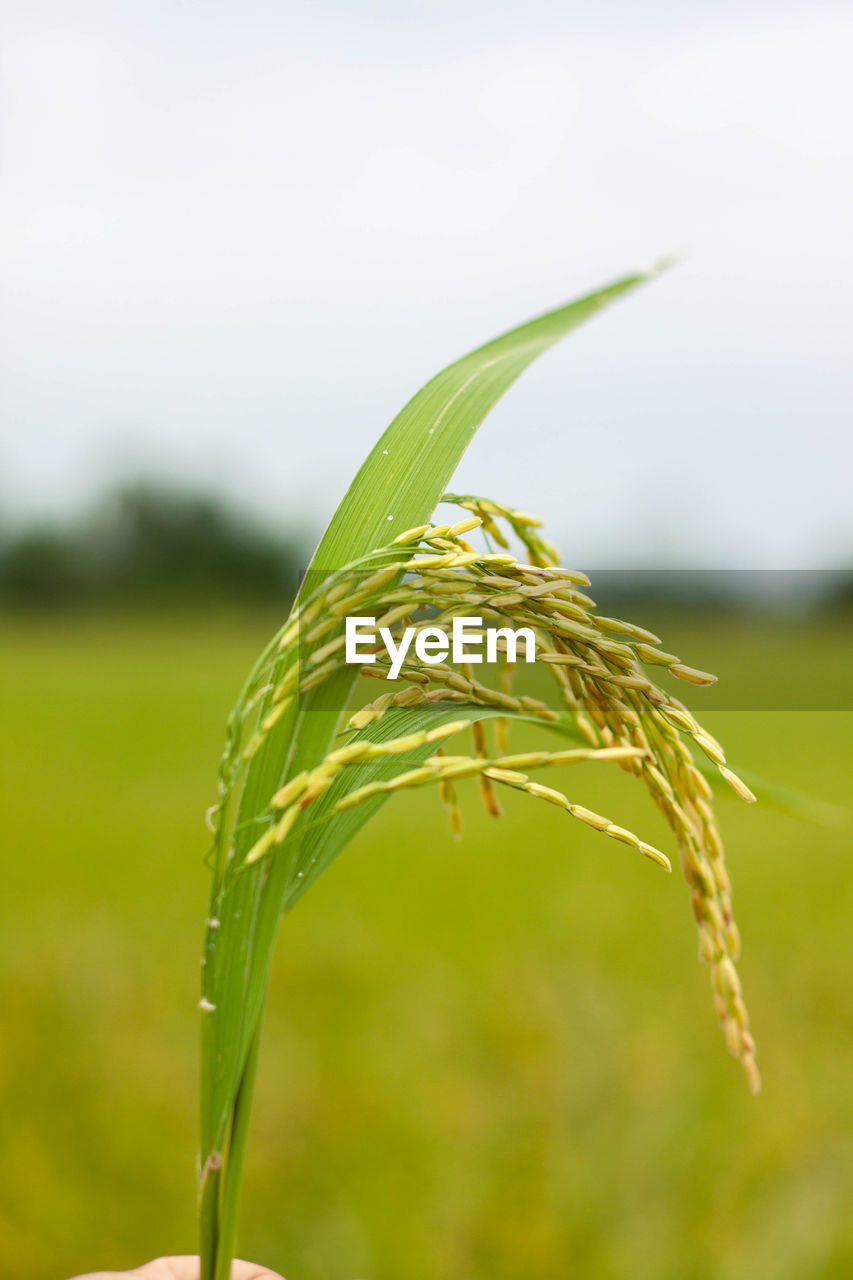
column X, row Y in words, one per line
column 241, row 1270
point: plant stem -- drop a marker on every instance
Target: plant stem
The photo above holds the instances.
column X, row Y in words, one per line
column 221, row 1194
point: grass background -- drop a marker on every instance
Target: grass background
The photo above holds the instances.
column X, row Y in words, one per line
column 488, row 1060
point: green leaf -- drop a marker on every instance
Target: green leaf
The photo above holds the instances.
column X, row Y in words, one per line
column 407, row 471
column 397, row 487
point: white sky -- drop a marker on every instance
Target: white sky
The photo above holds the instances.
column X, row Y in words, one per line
column 235, row 237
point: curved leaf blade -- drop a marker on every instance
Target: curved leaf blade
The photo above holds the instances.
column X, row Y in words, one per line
column 406, row 472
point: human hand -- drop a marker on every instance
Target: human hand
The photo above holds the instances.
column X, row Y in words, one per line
column 187, row 1267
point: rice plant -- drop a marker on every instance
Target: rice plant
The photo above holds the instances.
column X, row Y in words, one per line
column 300, row 776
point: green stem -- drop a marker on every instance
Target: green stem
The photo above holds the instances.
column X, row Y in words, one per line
column 221, row 1191
column 209, row 1221
column 233, row 1176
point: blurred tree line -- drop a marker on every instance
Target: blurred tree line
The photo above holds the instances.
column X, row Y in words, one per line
column 148, row 544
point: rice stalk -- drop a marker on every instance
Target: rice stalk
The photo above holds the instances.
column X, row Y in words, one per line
column 296, row 781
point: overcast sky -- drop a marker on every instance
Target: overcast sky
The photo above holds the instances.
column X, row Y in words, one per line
column 235, row 237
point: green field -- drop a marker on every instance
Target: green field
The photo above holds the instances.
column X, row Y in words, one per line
column 488, row 1060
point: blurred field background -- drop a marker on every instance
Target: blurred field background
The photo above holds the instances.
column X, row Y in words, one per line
column 234, row 238
column 505, row 1065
